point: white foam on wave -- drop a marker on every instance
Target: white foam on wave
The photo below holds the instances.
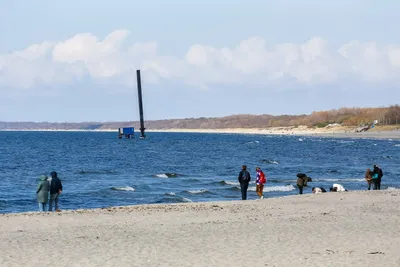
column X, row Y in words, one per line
column 397, row 145
column 356, row 180
column 197, row 191
column 237, row 183
column 125, row 188
column 283, row 188
column 390, row 188
column 253, row 142
column 325, row 180
column 269, row 161
column 161, row 175
column 346, row 142
column 339, row 180
column 184, row 199
column 170, row 194
column 231, row 183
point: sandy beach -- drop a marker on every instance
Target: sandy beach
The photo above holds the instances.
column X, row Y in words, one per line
column 379, row 132
column 332, row 229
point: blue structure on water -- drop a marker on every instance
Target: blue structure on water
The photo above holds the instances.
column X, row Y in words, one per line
column 128, row 132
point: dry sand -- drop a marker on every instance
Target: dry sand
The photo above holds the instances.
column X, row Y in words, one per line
column 331, row 229
column 380, row 132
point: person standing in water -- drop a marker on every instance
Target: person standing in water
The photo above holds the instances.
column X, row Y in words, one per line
column 42, row 192
column 260, row 181
column 55, row 191
column 244, row 179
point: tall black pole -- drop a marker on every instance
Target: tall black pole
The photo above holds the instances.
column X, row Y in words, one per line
column 139, row 86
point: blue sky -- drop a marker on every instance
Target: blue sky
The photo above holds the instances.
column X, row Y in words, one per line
column 76, row 60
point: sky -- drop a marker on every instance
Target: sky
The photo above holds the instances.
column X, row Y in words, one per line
column 74, row 61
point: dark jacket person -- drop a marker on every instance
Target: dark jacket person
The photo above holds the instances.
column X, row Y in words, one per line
column 244, row 179
column 55, row 190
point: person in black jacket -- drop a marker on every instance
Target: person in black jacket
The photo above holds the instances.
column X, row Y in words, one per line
column 244, row 179
column 55, row 191
column 380, row 174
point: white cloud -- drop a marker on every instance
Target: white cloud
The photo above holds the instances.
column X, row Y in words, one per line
column 251, row 62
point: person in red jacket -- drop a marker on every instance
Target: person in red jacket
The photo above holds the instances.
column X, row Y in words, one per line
column 260, row 181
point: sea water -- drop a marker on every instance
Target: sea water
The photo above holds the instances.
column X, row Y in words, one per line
column 99, row 170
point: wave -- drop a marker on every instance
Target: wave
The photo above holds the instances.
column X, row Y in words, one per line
column 201, row 191
column 170, row 194
column 282, row 181
column 167, row 175
column 184, row 199
column 192, row 180
column 397, row 145
column 253, row 142
column 173, row 199
column 234, row 188
column 267, row 161
column 125, row 188
column 346, row 142
column 390, row 188
column 223, row 182
column 161, row 175
column 83, row 172
column 288, row 181
column 339, row 180
column 283, row 188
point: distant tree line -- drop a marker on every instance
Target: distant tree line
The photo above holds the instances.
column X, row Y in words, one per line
column 392, row 116
column 343, row 116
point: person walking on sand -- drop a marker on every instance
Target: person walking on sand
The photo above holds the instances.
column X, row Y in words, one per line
column 260, row 181
column 244, row 179
column 368, row 177
column 42, row 192
column 55, row 191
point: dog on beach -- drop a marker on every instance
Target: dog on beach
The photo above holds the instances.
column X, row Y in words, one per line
column 318, row 190
column 337, row 188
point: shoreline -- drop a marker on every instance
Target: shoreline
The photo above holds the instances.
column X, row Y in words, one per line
column 169, row 206
column 355, row 228
column 379, row 132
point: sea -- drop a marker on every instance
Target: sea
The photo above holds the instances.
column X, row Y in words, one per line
column 99, row 170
